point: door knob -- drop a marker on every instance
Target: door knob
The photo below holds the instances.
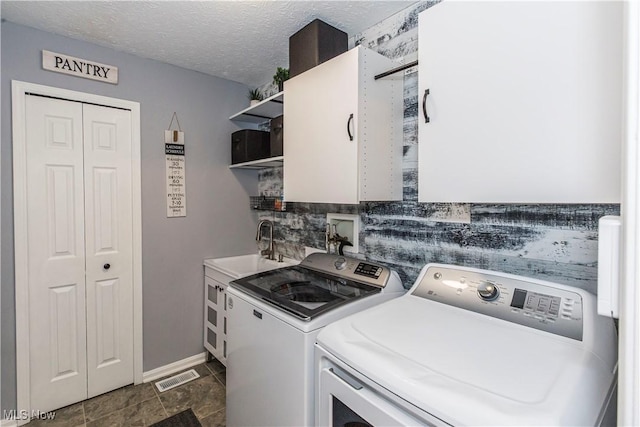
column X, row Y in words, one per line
column 106, row 266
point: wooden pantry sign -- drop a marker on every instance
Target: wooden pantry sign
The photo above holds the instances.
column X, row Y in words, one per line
column 79, row 67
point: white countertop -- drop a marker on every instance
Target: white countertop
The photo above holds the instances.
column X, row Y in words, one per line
column 246, row 265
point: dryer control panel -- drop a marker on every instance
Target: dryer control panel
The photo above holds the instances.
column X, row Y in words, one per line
column 534, row 303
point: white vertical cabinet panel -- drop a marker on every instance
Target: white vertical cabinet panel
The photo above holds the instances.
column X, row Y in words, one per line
column 524, row 103
column 57, row 332
column 322, row 164
column 109, row 258
column 381, row 104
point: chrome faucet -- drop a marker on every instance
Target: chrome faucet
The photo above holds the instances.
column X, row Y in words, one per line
column 269, row 252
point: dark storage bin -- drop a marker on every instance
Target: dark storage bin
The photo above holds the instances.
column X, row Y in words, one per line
column 248, row 145
column 277, row 130
column 314, row 44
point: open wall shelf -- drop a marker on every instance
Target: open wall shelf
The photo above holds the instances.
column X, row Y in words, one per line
column 261, row 112
column 260, row 164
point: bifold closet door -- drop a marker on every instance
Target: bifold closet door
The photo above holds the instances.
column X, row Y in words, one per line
column 79, row 236
column 108, row 246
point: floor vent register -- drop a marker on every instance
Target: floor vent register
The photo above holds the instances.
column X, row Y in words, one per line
column 176, row 380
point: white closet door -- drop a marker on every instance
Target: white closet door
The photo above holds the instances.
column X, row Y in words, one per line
column 80, row 231
column 109, row 262
column 57, row 331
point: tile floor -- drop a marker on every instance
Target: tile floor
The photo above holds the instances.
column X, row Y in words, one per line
column 143, row 405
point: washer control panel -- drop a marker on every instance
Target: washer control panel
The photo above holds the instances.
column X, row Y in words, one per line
column 349, row 268
column 368, row 270
column 529, row 302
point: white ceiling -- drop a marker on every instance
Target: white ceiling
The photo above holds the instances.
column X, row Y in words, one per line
column 244, row 41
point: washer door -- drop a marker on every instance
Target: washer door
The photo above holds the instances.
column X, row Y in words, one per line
column 302, row 292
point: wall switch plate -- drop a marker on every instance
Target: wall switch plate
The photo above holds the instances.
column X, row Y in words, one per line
column 346, row 225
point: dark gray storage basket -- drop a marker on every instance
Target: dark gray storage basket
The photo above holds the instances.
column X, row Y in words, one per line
column 314, row 44
column 248, row 145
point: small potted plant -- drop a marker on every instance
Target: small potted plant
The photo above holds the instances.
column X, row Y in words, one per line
column 280, row 76
column 255, row 96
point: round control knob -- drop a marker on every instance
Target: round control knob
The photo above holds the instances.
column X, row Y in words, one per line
column 488, row 291
column 340, row 263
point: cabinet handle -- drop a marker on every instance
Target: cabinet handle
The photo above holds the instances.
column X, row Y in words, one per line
column 106, row 266
column 349, row 128
column 424, row 106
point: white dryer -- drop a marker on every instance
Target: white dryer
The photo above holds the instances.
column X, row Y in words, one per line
column 469, row 347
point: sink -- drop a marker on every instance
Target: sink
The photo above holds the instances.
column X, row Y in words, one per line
column 246, row 265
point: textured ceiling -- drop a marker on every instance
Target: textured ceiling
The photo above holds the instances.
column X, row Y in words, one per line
column 244, row 41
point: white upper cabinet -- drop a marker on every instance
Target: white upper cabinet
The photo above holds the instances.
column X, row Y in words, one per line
column 343, row 131
column 524, row 102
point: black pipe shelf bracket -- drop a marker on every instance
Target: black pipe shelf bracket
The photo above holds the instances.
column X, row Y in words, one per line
column 396, row 70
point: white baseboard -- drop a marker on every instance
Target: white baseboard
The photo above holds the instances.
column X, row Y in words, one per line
column 172, row 368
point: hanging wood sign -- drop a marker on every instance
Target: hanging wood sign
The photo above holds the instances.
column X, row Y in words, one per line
column 78, row 67
column 176, row 184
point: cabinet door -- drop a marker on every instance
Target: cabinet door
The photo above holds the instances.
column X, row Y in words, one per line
column 321, row 161
column 524, row 102
column 215, row 318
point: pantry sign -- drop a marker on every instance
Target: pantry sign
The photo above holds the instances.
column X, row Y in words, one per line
column 79, row 67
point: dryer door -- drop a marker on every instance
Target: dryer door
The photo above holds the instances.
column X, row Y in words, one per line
column 347, row 400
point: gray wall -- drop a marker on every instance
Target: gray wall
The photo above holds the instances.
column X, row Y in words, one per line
column 218, row 222
column 551, row 242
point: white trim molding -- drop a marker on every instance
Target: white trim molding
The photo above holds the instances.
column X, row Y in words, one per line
column 629, row 346
column 19, row 93
column 174, row 367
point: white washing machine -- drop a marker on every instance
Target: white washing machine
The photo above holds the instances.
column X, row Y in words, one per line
column 273, row 320
column 469, row 347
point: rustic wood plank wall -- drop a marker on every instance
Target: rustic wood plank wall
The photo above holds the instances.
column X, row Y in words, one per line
column 551, row 242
